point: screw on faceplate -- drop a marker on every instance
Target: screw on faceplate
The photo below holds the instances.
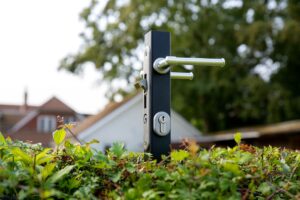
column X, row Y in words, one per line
column 141, row 84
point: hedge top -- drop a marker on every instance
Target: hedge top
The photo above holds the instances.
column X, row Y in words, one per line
column 29, row 171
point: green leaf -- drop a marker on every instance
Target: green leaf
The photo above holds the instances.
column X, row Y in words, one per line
column 179, row 155
column 224, row 184
column 150, row 194
column 43, row 156
column 25, row 193
column 265, row 188
column 47, row 170
column 94, row 141
column 73, row 183
column 60, row 174
column 144, row 182
column 245, row 157
column 163, row 185
column 116, row 177
column 117, row 149
column 101, row 165
column 2, row 139
column 22, row 155
column 130, row 167
column 160, row 173
column 131, row 194
column 285, row 168
column 234, row 168
column 46, row 194
column 59, row 136
column 238, row 138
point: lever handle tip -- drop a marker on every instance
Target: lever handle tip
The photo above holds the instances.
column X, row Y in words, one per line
column 182, row 75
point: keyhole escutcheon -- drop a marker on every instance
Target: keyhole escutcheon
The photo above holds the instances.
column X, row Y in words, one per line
column 162, row 123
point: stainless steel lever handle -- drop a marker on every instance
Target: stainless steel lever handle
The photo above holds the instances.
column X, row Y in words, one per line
column 162, row 65
column 182, row 75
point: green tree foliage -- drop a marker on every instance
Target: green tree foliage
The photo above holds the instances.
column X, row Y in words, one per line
column 259, row 39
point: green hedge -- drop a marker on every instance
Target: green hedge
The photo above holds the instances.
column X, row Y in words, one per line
column 77, row 172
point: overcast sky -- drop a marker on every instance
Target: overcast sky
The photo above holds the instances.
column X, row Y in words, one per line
column 34, row 36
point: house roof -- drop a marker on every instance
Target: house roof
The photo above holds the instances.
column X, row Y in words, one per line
column 288, row 127
column 279, row 128
column 54, row 104
column 9, row 107
column 20, row 124
column 11, row 114
column 89, row 121
column 270, row 129
column 15, row 109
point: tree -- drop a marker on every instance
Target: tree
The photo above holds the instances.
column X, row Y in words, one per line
column 259, row 39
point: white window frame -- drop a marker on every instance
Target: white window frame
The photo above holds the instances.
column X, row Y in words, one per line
column 46, row 123
column 69, row 119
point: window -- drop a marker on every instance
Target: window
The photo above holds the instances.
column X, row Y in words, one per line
column 46, row 123
column 69, row 120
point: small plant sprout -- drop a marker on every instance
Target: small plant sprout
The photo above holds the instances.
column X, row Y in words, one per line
column 62, row 129
column 238, row 138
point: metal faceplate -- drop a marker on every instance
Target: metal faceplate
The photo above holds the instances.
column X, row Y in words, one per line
column 162, row 123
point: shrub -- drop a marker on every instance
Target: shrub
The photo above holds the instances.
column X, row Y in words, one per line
column 29, row 171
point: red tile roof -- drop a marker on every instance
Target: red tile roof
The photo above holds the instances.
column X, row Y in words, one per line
column 54, row 104
column 15, row 108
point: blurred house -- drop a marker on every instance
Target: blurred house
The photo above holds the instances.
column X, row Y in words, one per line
column 11, row 114
column 35, row 123
column 123, row 122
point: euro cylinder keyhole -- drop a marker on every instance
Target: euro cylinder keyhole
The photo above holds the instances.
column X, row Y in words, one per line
column 162, row 123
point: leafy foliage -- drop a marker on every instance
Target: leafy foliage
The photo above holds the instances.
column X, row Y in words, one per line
column 59, row 136
column 253, row 36
column 77, row 172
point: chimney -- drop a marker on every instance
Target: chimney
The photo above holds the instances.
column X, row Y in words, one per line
column 25, row 98
column 24, row 107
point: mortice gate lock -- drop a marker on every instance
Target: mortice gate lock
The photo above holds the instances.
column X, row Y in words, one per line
column 155, row 81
